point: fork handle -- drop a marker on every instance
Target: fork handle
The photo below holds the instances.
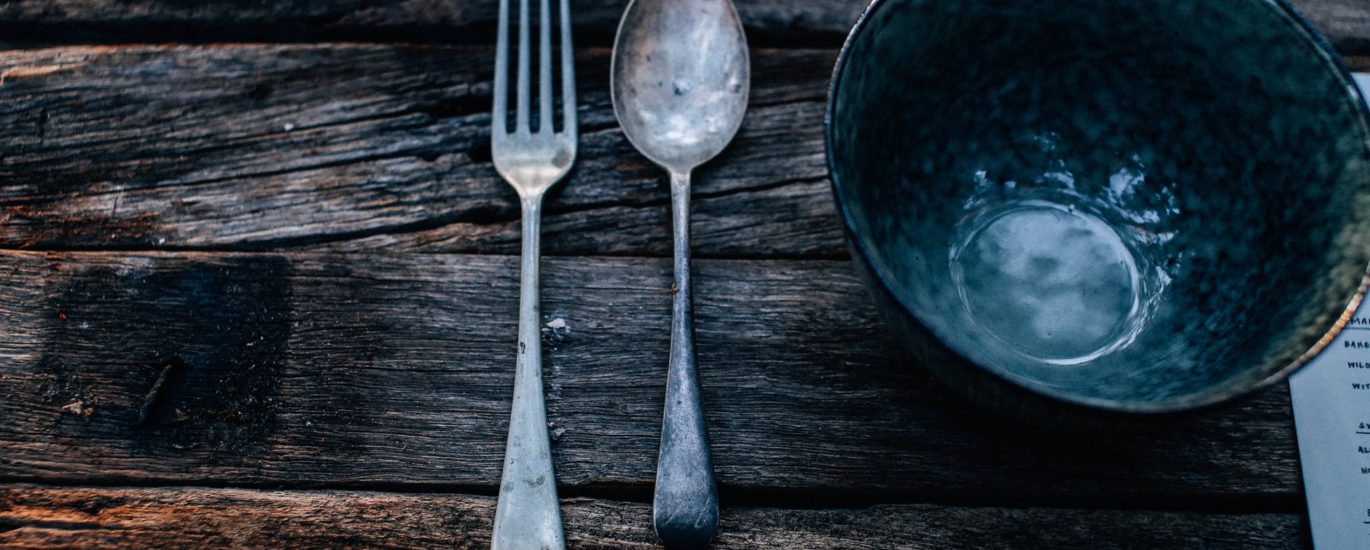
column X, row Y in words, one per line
column 685, row 504
column 527, row 514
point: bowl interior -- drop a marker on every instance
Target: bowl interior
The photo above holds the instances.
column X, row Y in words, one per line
column 1142, row 205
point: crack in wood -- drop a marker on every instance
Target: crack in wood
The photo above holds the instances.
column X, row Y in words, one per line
column 769, row 23
column 490, row 215
column 169, row 368
column 8, row 525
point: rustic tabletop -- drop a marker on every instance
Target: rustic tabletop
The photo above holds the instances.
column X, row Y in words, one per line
column 260, row 289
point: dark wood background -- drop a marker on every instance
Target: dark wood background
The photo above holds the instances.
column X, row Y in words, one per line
column 260, row 289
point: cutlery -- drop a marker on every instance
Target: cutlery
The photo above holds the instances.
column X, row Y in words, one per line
column 531, row 160
column 680, row 78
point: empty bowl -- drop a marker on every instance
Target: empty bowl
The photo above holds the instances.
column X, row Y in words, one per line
column 1138, row 206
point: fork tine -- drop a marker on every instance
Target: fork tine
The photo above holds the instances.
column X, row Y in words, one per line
column 568, row 72
column 545, row 67
column 521, row 116
column 500, row 112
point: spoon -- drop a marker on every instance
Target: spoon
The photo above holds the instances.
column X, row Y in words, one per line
column 680, row 79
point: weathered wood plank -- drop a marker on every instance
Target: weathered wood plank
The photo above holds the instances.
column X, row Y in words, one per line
column 816, row 22
column 44, row 517
column 389, row 371
column 147, row 147
column 365, row 147
column 809, row 23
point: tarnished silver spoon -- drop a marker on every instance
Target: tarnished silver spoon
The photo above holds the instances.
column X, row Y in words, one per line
column 680, row 79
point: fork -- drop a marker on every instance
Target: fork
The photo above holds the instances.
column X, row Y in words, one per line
column 528, row 515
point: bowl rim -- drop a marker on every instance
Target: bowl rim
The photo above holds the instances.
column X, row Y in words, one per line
column 880, row 276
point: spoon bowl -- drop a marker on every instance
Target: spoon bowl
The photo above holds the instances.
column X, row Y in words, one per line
column 680, row 79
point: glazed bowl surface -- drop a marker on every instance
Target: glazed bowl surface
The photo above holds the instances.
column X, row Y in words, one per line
column 1134, row 206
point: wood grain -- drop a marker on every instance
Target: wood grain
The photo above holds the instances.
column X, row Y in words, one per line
column 42, row 517
column 395, row 371
column 369, row 352
column 810, row 23
column 372, row 147
column 360, row 148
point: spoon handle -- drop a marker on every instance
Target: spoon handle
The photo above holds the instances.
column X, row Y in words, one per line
column 685, row 505
column 527, row 513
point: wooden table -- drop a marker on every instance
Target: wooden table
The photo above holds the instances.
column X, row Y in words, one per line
column 260, row 290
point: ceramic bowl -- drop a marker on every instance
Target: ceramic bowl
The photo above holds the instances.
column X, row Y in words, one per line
column 1141, row 206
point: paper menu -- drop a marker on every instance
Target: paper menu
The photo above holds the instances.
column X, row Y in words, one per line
column 1332, row 417
column 1331, row 398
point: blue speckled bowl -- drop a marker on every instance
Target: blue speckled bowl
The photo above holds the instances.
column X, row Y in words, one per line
column 1091, row 206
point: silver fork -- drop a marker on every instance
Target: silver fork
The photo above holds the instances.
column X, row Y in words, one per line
column 528, row 515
